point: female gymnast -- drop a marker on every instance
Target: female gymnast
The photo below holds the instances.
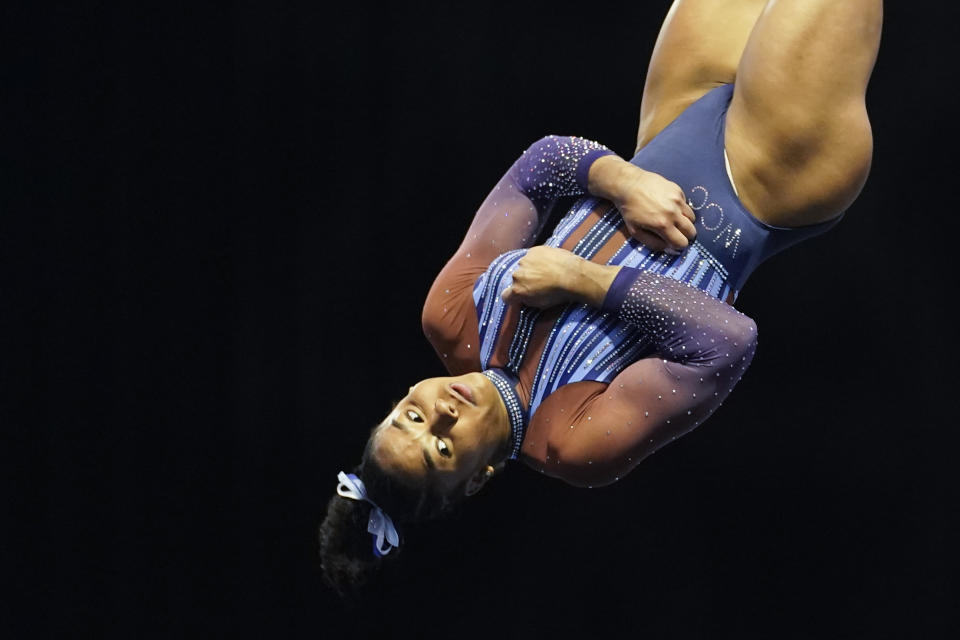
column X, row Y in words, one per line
column 582, row 356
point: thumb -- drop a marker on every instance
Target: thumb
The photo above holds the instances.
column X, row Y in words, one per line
column 507, row 295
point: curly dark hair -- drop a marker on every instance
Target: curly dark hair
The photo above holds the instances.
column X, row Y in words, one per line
column 346, row 549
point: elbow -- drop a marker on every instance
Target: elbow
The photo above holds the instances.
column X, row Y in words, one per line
column 430, row 321
column 749, row 335
column 429, row 324
column 747, row 330
column 742, row 335
column 742, row 331
column 425, row 325
column 545, row 142
column 587, row 470
column 585, row 477
column 588, row 478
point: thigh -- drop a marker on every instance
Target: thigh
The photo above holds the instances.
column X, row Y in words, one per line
column 699, row 48
column 797, row 133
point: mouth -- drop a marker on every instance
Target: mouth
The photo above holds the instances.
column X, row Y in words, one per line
column 464, row 392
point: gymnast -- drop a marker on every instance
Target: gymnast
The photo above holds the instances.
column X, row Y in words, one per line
column 584, row 355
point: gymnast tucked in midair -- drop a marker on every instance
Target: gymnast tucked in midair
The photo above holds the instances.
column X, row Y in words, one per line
column 584, row 355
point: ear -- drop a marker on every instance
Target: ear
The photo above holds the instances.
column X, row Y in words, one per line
column 480, row 478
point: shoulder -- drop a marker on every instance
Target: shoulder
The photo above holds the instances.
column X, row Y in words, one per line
column 449, row 317
column 455, row 340
column 549, row 445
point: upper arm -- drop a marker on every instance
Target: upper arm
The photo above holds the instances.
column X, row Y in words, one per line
column 650, row 403
column 513, row 213
column 509, row 218
column 449, row 318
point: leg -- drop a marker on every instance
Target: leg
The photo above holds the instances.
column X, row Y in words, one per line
column 698, row 48
column 798, row 136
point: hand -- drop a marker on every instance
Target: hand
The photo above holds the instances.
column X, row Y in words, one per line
column 655, row 210
column 545, row 277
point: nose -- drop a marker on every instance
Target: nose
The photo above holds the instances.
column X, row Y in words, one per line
column 445, row 408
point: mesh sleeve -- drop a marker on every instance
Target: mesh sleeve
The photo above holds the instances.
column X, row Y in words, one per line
column 513, row 213
column 699, row 349
column 510, row 218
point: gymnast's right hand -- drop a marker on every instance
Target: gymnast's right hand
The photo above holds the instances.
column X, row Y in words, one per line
column 654, row 209
column 544, row 277
column 547, row 276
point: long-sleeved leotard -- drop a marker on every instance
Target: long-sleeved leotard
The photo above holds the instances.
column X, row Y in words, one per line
column 698, row 349
column 510, row 217
column 603, row 387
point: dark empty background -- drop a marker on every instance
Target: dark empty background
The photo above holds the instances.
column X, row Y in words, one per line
column 191, row 350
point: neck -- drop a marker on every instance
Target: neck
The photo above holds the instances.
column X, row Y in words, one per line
column 514, row 415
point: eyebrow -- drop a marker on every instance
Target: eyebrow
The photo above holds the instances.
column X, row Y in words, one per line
column 423, row 449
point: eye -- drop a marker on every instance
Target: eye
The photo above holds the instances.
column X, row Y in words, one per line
column 414, row 416
column 443, row 448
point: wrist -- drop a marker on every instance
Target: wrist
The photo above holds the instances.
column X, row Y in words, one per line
column 592, row 282
column 615, row 179
column 605, row 175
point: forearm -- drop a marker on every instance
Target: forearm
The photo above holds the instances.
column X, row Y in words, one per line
column 612, row 178
column 686, row 324
column 649, row 300
column 518, row 206
column 590, row 282
column 695, row 348
column 557, row 166
column 655, row 210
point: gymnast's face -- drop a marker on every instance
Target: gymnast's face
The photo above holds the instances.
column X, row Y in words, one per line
column 444, row 431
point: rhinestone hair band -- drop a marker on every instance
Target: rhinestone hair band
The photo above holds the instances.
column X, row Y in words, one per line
column 515, row 411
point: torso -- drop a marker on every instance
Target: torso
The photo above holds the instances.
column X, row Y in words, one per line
column 550, row 349
column 569, row 353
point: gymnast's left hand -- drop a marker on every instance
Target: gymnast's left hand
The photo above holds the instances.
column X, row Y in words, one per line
column 654, row 210
column 545, row 277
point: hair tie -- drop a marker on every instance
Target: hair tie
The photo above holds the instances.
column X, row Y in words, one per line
column 379, row 524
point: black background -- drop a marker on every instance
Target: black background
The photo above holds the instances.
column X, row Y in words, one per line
column 192, row 350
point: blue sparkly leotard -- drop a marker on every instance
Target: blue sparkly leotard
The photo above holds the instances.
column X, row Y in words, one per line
column 730, row 241
column 591, row 392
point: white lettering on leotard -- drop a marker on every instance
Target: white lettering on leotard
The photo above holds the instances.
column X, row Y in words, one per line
column 706, row 194
column 711, row 218
column 732, row 237
column 709, row 214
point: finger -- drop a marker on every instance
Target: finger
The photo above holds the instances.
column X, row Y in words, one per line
column 651, row 240
column 675, row 239
column 507, row 295
column 687, row 228
column 688, row 211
